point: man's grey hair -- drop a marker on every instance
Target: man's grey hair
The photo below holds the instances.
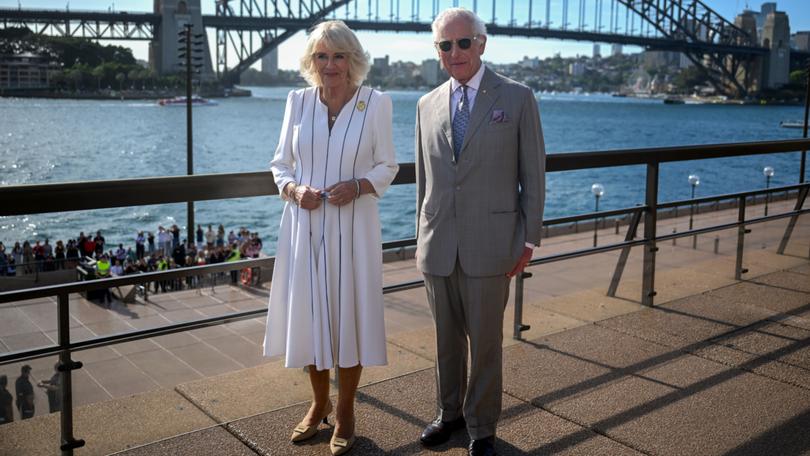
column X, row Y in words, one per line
column 452, row 13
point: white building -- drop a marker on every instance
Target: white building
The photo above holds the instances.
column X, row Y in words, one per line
column 432, row 72
column 530, row 63
column 801, row 41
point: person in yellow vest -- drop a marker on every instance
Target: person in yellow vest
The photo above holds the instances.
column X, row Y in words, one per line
column 162, row 265
column 103, row 272
column 234, row 255
column 103, row 267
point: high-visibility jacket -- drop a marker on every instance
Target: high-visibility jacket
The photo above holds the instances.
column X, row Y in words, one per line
column 234, row 256
column 103, row 268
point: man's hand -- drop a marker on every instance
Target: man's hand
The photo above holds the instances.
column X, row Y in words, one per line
column 521, row 263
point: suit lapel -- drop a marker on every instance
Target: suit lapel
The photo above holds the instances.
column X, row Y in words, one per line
column 484, row 100
column 443, row 113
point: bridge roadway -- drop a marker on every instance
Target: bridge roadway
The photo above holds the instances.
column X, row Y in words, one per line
column 719, row 367
column 247, row 23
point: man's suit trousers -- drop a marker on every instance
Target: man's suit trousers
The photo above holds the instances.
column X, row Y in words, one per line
column 468, row 313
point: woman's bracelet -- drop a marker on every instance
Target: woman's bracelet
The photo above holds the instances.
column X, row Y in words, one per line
column 357, row 188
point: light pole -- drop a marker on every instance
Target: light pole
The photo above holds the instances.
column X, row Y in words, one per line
column 768, row 172
column 806, row 120
column 694, row 181
column 598, row 190
column 191, row 58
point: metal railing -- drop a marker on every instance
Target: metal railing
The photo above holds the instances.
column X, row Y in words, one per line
column 26, row 199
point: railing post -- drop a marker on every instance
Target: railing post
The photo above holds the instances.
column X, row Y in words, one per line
column 519, row 327
column 800, row 197
column 650, row 221
column 741, row 232
column 632, row 229
column 66, row 365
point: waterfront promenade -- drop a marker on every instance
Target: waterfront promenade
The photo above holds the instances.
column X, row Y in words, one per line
column 717, row 367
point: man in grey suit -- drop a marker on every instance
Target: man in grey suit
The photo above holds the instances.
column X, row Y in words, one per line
column 480, row 165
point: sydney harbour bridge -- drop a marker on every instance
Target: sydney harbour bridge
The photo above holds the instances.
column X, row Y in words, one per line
column 729, row 52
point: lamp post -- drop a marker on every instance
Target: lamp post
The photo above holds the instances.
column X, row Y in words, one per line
column 768, row 172
column 598, row 190
column 191, row 58
column 694, row 181
column 806, row 120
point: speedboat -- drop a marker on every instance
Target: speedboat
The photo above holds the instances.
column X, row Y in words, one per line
column 181, row 101
column 791, row 124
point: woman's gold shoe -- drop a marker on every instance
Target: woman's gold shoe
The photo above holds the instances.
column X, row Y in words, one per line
column 303, row 432
column 340, row 446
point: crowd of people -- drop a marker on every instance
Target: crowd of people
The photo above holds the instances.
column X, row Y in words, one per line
column 152, row 252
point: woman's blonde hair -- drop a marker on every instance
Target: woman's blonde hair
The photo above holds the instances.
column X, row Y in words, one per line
column 336, row 36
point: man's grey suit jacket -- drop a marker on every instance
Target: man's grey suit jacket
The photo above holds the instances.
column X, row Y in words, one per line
column 484, row 208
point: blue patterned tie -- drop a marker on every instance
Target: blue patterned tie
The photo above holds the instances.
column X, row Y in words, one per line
column 460, row 121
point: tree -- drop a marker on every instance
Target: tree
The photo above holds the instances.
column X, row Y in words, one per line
column 134, row 76
column 798, row 78
column 120, row 78
column 74, row 75
column 98, row 73
column 689, row 78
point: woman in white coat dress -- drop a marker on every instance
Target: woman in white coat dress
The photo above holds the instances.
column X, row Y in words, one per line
column 334, row 160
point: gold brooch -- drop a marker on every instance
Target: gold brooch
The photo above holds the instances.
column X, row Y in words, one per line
column 361, row 105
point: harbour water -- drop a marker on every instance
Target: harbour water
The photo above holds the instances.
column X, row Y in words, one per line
column 48, row 141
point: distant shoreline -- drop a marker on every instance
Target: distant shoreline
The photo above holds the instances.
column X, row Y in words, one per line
column 115, row 95
column 130, row 95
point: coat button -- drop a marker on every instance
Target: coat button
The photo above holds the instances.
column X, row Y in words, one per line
column 458, row 187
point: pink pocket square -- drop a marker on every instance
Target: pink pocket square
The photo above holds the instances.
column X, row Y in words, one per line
column 498, row 116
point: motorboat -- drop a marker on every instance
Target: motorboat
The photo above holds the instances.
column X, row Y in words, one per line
column 791, row 124
column 181, row 101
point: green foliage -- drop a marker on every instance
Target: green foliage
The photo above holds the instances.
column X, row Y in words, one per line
column 689, row 78
column 798, row 78
column 84, row 64
column 70, row 51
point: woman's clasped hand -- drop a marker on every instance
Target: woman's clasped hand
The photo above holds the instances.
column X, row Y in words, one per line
column 339, row 194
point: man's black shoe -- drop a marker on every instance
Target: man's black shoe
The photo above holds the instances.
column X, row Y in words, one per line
column 439, row 431
column 483, row 447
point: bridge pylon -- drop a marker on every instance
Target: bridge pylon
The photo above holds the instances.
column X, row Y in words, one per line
column 165, row 49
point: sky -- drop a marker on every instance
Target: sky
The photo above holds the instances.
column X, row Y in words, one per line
column 417, row 47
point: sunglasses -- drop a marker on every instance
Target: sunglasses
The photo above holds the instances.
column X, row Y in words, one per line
column 463, row 43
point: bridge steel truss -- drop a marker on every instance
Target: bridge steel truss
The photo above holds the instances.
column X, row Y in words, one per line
column 693, row 21
column 719, row 48
column 246, row 30
column 94, row 25
column 232, row 28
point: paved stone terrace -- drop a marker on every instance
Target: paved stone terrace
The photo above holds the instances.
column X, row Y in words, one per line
column 726, row 372
column 718, row 367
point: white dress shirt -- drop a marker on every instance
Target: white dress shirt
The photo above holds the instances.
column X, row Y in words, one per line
column 472, row 90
